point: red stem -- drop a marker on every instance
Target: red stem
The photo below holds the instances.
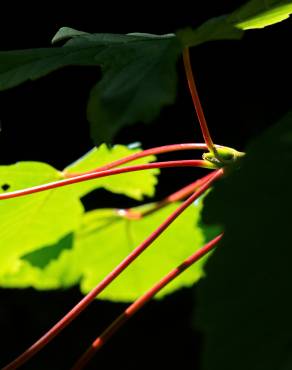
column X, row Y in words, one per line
column 115, row 171
column 180, row 194
column 145, row 153
column 75, row 311
column 197, row 102
column 140, row 302
column 135, row 214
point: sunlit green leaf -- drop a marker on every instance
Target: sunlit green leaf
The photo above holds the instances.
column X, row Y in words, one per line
column 261, row 13
column 42, row 219
column 39, row 219
column 104, row 240
column 245, row 300
column 42, row 257
column 254, row 14
column 134, row 185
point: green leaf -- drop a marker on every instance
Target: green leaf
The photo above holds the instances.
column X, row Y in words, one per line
column 214, row 29
column 254, row 14
column 18, row 66
column 139, row 74
column 40, row 220
column 104, row 240
column 245, row 302
column 261, row 13
column 138, row 70
column 42, row 257
column 44, row 273
column 26, row 223
column 139, row 78
column 65, row 33
column 134, row 185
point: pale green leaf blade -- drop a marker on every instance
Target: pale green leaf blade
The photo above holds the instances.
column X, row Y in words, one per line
column 28, row 222
column 254, row 14
column 261, row 13
column 104, row 240
column 179, row 241
column 134, row 185
column 42, row 257
column 54, row 273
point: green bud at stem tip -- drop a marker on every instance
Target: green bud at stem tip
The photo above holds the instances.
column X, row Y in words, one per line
column 223, row 156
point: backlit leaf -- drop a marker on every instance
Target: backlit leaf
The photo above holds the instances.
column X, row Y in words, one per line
column 104, row 240
column 135, row 184
column 42, row 257
column 26, row 223
column 42, row 219
column 261, row 13
column 254, row 14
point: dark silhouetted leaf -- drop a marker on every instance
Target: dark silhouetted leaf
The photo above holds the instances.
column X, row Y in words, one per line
column 139, row 77
column 214, row 29
column 245, row 300
column 139, row 74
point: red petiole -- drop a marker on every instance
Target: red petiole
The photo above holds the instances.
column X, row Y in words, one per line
column 71, row 315
column 197, row 103
column 134, row 214
column 105, row 173
column 140, row 302
column 145, row 153
column 199, row 186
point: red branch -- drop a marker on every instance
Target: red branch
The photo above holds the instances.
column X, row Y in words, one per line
column 197, row 102
column 140, row 302
column 98, row 174
column 135, row 214
column 75, row 311
column 145, row 153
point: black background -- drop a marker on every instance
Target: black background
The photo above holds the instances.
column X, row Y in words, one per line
column 244, row 87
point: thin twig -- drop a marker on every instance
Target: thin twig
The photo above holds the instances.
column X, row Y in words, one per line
column 142, row 154
column 140, row 212
column 105, row 173
column 197, row 102
column 140, row 302
column 75, row 311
